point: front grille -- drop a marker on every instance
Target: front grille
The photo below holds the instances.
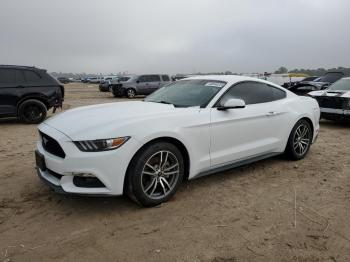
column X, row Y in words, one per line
column 52, row 146
column 332, row 102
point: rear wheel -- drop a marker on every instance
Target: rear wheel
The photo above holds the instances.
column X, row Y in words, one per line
column 155, row 174
column 32, row 111
column 130, row 93
column 299, row 141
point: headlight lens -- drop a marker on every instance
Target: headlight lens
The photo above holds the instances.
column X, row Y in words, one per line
column 101, row 144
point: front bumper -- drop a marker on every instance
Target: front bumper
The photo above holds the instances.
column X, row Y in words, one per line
column 109, row 167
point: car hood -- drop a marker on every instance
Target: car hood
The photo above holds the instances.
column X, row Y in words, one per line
column 99, row 121
column 331, row 93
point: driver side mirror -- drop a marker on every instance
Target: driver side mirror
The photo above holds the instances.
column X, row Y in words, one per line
column 232, row 104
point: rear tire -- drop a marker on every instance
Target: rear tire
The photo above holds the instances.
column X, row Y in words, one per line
column 32, row 111
column 155, row 173
column 130, row 93
column 299, row 140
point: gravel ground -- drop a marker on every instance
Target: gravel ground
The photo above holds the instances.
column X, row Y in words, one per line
column 273, row 210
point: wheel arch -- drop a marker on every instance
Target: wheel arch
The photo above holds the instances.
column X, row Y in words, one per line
column 33, row 97
column 170, row 140
column 307, row 119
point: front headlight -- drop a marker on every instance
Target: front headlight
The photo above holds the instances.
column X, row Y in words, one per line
column 101, row 144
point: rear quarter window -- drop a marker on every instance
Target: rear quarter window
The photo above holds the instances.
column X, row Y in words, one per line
column 277, row 93
column 31, row 76
column 165, row 78
column 7, row 76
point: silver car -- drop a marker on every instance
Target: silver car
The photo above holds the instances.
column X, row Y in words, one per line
column 140, row 85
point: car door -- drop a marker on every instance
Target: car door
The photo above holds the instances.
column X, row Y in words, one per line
column 143, row 85
column 11, row 82
column 252, row 131
column 154, row 83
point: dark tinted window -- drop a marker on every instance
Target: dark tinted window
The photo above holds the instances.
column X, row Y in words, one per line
column 123, row 79
column 143, row 79
column 149, row 78
column 19, row 76
column 187, row 93
column 253, row 93
column 330, row 77
column 310, row 78
column 31, row 76
column 7, row 76
column 165, row 78
column 153, row 78
column 277, row 93
column 306, row 88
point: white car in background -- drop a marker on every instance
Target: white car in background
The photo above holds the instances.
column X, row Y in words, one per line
column 187, row 129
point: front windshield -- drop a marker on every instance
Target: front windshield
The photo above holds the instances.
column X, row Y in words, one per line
column 187, row 93
column 124, row 79
column 342, row 84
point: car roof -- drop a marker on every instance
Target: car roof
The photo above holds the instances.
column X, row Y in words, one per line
column 20, row 67
column 230, row 79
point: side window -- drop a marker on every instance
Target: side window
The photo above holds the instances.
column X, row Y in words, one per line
column 143, row 79
column 153, row 78
column 31, row 76
column 19, row 76
column 254, row 93
column 7, row 76
column 165, row 78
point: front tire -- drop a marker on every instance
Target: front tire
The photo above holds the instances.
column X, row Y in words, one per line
column 32, row 111
column 299, row 141
column 155, row 173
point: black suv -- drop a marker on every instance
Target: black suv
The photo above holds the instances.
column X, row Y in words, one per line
column 28, row 92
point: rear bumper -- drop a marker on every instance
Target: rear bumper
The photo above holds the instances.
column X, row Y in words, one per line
column 55, row 102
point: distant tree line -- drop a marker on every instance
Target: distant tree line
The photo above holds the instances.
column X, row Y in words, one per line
column 314, row 72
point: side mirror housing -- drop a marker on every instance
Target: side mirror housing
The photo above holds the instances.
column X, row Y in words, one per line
column 232, row 104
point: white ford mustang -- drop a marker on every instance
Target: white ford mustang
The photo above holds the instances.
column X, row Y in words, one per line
column 190, row 128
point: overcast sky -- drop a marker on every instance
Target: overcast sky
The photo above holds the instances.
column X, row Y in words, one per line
column 174, row 36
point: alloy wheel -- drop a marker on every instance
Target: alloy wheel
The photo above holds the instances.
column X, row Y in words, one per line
column 160, row 174
column 301, row 140
column 32, row 113
column 130, row 93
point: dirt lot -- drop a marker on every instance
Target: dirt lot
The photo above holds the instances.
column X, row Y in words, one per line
column 247, row 214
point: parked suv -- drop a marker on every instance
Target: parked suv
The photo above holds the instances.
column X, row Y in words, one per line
column 28, row 93
column 140, row 85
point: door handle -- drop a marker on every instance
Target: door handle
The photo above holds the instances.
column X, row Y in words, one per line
column 271, row 113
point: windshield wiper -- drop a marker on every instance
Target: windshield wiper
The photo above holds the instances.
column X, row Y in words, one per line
column 164, row 102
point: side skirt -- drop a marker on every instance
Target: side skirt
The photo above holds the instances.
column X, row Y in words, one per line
column 235, row 164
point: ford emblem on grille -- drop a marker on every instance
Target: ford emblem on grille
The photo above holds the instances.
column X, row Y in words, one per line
column 45, row 140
